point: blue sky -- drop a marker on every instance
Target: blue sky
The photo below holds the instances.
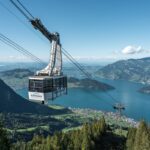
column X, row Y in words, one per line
column 91, row 30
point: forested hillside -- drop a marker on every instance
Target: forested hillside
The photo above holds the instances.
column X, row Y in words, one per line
column 95, row 136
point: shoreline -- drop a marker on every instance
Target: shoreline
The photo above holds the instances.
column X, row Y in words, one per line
column 86, row 111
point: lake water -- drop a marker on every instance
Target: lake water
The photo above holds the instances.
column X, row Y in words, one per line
column 137, row 104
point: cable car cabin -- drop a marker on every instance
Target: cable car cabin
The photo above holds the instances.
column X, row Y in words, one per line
column 44, row 88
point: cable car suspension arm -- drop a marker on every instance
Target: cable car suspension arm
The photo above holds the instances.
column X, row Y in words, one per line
column 55, row 64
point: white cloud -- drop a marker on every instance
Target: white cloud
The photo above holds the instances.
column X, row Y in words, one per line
column 133, row 50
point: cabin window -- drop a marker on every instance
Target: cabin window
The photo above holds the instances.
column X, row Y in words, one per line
column 36, row 85
column 48, row 85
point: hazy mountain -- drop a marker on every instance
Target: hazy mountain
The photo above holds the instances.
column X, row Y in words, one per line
column 89, row 84
column 13, row 103
column 18, row 79
column 137, row 70
column 17, row 73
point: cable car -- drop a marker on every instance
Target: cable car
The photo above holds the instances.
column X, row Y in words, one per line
column 49, row 82
column 44, row 88
column 119, row 106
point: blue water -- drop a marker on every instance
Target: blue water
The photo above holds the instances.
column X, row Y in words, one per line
column 137, row 104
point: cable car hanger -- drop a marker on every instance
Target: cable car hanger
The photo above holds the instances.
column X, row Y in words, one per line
column 54, row 38
column 48, row 83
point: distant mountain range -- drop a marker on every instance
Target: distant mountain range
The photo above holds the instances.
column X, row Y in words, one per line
column 137, row 70
column 18, row 79
column 10, row 102
column 16, row 73
column 89, row 84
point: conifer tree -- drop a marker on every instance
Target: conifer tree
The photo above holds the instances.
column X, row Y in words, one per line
column 56, row 141
column 4, row 141
column 145, row 141
column 130, row 139
column 77, row 139
column 86, row 143
column 48, row 143
column 102, row 124
column 142, row 138
column 86, row 139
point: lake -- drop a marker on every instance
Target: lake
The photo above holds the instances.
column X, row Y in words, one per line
column 137, row 104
